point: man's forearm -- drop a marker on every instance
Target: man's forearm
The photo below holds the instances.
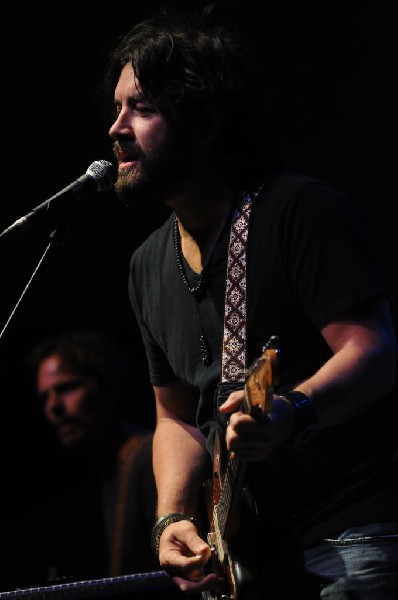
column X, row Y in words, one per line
column 180, row 462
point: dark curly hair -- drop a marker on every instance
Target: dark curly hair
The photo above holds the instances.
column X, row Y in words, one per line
column 88, row 353
column 189, row 63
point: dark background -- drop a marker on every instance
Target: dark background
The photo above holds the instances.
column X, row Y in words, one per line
column 332, row 73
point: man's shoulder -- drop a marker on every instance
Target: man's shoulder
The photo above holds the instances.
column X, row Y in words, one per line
column 284, row 189
column 293, row 181
column 138, row 443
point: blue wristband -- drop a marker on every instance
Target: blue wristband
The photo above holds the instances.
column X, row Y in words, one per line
column 306, row 418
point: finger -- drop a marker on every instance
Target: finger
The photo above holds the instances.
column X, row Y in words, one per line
column 208, row 582
column 241, row 422
column 233, row 402
column 193, row 574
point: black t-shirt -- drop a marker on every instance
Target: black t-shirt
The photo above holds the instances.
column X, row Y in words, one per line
column 309, row 258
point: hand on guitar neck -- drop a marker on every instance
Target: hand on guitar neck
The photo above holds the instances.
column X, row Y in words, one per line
column 254, row 401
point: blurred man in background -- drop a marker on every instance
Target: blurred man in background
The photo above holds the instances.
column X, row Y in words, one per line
column 99, row 524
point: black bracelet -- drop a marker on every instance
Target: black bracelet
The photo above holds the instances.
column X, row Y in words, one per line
column 166, row 520
column 305, row 415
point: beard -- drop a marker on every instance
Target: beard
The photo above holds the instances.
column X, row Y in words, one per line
column 158, row 176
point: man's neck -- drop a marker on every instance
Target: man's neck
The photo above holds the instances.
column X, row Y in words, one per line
column 200, row 223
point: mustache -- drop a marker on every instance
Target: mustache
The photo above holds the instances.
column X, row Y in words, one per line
column 61, row 421
column 125, row 152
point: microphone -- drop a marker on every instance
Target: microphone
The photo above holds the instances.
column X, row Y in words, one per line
column 100, row 176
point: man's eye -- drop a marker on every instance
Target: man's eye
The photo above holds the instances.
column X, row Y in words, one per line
column 145, row 109
column 68, row 386
column 62, row 388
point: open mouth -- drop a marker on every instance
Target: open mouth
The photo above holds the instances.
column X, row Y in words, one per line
column 127, row 162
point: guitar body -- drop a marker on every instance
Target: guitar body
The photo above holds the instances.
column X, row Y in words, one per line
column 231, row 508
column 232, row 556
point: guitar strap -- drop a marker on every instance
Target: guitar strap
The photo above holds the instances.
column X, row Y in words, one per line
column 233, row 361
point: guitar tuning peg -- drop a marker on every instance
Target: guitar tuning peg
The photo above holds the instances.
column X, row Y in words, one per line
column 272, row 343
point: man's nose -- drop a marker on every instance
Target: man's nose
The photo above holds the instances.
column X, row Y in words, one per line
column 53, row 403
column 122, row 126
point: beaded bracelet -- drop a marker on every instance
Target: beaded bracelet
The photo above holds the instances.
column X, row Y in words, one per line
column 164, row 522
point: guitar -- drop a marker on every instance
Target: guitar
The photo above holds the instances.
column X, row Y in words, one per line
column 94, row 588
column 231, row 508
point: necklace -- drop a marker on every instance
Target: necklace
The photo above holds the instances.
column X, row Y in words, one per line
column 197, row 291
column 238, row 229
column 194, row 290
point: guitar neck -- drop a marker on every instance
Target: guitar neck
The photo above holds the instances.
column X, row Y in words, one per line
column 229, row 478
column 94, row 588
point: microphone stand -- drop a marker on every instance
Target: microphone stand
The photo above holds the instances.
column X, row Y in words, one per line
column 54, row 237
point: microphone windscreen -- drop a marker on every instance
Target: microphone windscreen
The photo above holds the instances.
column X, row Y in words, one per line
column 104, row 173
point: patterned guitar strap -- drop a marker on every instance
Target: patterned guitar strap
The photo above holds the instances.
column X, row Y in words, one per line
column 233, row 362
